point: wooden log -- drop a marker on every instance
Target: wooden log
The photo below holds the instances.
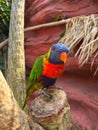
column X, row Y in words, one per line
column 52, row 113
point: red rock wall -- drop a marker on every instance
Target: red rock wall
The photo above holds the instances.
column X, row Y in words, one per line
column 81, row 87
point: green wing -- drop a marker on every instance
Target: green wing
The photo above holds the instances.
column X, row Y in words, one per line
column 36, row 71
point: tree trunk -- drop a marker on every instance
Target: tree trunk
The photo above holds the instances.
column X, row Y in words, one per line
column 54, row 113
column 11, row 116
column 16, row 60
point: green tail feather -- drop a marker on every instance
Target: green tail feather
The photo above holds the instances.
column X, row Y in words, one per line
column 27, row 98
column 30, row 91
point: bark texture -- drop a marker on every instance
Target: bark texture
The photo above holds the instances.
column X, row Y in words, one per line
column 16, row 60
column 54, row 113
column 11, row 116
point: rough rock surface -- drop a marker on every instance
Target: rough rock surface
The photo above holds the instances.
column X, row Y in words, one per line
column 79, row 84
column 11, row 116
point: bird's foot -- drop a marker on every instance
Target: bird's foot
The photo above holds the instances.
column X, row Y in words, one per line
column 56, row 87
column 60, row 88
column 45, row 93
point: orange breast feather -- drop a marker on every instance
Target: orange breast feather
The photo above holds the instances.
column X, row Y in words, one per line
column 52, row 70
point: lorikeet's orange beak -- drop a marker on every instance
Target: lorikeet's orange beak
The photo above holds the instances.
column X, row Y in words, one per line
column 63, row 57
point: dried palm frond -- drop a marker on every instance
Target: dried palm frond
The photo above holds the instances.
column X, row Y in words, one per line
column 83, row 31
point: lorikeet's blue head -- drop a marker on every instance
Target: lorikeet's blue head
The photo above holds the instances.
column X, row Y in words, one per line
column 58, row 53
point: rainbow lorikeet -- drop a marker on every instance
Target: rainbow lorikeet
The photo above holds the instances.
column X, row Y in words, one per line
column 46, row 69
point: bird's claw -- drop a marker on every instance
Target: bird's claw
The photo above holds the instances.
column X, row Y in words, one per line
column 56, row 87
column 45, row 93
column 60, row 88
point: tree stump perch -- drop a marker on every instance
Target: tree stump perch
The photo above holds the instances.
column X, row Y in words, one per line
column 54, row 113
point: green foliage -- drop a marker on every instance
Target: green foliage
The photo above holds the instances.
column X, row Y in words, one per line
column 4, row 19
column 4, row 31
